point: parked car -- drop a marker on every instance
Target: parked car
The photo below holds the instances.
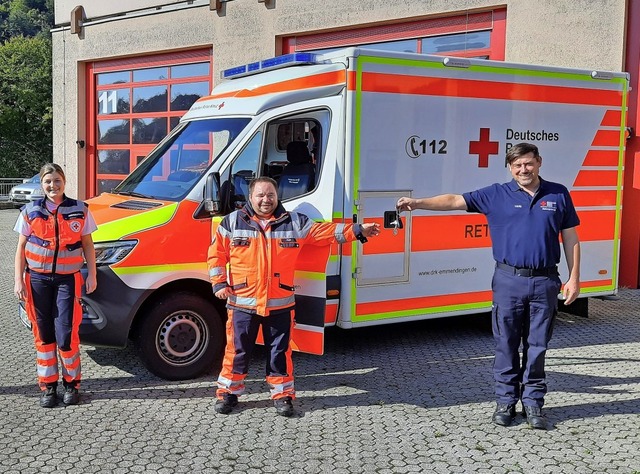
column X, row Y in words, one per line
column 30, row 190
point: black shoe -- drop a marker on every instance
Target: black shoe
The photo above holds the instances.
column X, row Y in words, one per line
column 225, row 404
column 535, row 418
column 49, row 398
column 504, row 414
column 283, row 405
column 71, row 396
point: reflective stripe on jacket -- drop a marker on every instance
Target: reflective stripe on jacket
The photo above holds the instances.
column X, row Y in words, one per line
column 55, row 243
column 262, row 261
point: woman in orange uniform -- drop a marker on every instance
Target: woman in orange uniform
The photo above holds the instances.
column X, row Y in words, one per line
column 55, row 240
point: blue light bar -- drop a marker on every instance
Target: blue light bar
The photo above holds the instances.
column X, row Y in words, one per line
column 234, row 71
column 293, row 59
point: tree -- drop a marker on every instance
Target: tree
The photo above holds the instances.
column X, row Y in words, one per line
column 25, row 106
column 25, row 86
column 27, row 18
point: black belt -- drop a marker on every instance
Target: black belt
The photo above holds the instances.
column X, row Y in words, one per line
column 528, row 272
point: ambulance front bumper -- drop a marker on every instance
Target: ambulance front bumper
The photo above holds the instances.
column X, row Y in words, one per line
column 108, row 312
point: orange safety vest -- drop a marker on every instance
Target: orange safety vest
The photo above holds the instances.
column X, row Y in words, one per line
column 262, row 261
column 55, row 243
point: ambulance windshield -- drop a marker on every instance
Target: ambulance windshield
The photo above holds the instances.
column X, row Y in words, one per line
column 174, row 167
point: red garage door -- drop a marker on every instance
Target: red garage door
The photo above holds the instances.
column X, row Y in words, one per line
column 133, row 103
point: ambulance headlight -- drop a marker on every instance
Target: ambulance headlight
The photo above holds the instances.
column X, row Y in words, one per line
column 108, row 253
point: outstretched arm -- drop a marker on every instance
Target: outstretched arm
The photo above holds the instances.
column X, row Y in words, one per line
column 370, row 229
column 442, row 202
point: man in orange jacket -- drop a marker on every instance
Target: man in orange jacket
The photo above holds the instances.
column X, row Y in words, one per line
column 260, row 244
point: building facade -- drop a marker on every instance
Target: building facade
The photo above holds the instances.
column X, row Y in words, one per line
column 124, row 72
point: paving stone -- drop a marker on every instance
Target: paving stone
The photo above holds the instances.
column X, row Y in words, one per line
column 414, row 397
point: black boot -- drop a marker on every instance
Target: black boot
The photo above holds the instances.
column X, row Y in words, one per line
column 504, row 414
column 49, row 397
column 225, row 404
column 71, row 395
column 283, row 405
column 535, row 418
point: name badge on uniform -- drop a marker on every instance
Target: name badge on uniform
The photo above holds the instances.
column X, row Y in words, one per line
column 289, row 243
column 241, row 242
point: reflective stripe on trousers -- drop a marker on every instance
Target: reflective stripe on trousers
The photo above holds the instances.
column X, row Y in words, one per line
column 242, row 331
column 47, row 363
column 53, row 307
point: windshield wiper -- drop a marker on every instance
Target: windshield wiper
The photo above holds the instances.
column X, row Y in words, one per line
column 134, row 194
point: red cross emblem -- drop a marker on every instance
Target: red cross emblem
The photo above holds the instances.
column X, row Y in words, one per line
column 483, row 148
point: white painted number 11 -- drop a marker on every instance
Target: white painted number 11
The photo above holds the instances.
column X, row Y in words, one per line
column 108, row 102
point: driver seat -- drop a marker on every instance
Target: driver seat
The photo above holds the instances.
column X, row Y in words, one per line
column 299, row 176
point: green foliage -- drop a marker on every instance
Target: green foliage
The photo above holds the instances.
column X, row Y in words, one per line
column 25, row 18
column 25, row 86
column 25, row 106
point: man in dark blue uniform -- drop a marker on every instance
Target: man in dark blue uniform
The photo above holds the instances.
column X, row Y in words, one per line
column 526, row 216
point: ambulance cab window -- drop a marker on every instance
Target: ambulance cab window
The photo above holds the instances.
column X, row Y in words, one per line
column 235, row 180
column 294, row 148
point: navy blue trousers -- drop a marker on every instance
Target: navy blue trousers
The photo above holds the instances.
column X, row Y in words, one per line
column 54, row 299
column 276, row 330
column 524, row 311
column 53, row 307
column 242, row 331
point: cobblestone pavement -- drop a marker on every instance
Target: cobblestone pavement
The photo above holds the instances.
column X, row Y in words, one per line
column 413, row 397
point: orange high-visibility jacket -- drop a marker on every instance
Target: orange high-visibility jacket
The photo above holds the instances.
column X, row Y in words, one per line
column 262, row 261
column 55, row 243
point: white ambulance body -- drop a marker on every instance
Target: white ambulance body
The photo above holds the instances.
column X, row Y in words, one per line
column 381, row 125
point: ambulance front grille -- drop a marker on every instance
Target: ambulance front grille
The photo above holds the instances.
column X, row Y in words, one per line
column 137, row 205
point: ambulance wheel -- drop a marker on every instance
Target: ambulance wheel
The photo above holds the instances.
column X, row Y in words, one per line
column 181, row 337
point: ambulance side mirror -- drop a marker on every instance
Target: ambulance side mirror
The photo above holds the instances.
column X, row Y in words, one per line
column 212, row 193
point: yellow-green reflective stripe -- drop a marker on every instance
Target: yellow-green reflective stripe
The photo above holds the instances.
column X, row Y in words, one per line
column 596, row 289
column 175, row 267
column 574, row 76
column 355, row 185
column 443, row 309
column 418, row 312
column 119, row 228
column 618, row 218
column 310, row 275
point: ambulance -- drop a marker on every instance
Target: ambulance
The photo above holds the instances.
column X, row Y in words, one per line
column 345, row 134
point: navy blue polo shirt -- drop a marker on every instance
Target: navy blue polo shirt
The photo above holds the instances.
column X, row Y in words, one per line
column 525, row 229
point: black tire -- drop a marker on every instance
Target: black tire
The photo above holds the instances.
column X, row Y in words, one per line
column 181, row 337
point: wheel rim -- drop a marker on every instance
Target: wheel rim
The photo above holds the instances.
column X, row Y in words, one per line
column 182, row 338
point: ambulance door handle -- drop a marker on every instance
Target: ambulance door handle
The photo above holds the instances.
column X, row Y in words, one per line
column 392, row 220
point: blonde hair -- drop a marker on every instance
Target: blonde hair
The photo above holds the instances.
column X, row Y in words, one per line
column 52, row 168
